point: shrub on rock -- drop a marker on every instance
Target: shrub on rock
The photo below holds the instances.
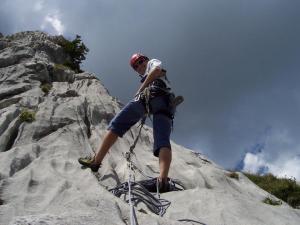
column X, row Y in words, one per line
column 27, row 116
column 46, row 88
column 76, row 49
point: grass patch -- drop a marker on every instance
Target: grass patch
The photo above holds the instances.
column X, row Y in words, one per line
column 27, row 116
column 46, row 88
column 64, row 66
column 285, row 189
column 233, row 175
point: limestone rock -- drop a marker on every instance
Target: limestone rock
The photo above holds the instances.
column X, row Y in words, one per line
column 41, row 181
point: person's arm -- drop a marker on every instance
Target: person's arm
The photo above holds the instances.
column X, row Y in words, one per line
column 154, row 74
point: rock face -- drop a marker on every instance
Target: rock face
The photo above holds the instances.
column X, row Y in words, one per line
column 41, row 181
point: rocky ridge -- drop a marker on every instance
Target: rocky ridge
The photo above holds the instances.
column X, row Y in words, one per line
column 41, row 181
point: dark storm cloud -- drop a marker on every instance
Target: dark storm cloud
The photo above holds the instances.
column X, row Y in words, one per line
column 236, row 62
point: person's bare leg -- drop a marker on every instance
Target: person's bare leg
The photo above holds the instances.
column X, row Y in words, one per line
column 109, row 139
column 165, row 158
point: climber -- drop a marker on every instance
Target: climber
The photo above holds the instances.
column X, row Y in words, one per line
column 161, row 105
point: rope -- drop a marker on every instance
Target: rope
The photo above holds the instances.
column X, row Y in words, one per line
column 157, row 189
column 147, row 94
column 138, row 194
column 133, row 219
column 137, row 137
column 190, row 221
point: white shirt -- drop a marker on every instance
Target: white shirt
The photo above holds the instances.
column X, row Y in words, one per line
column 151, row 65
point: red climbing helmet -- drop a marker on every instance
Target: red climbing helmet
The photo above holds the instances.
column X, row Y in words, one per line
column 135, row 58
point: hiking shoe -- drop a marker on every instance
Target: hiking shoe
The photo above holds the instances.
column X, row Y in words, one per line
column 89, row 162
column 163, row 186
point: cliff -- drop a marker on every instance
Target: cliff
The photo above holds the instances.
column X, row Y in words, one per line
column 50, row 116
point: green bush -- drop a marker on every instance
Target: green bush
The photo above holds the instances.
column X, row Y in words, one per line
column 46, row 88
column 285, row 189
column 294, row 199
column 271, row 202
column 27, row 116
column 76, row 49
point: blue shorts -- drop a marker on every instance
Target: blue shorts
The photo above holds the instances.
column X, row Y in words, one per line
column 135, row 110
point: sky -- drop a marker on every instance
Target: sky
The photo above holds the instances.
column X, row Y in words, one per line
column 236, row 62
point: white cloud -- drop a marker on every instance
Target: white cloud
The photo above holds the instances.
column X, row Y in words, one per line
column 54, row 21
column 288, row 168
column 282, row 167
column 253, row 162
